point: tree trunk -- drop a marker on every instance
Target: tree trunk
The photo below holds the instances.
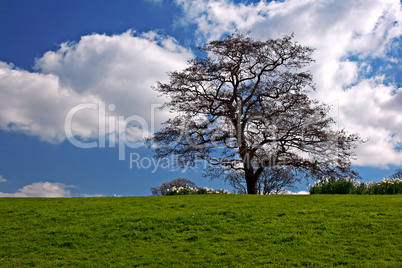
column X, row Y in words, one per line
column 251, row 180
column 251, row 176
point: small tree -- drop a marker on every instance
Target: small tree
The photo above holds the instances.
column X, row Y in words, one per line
column 246, row 108
column 178, row 182
column 271, row 181
column 397, row 174
column 275, row 179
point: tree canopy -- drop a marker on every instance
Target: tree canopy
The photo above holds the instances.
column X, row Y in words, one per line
column 245, row 107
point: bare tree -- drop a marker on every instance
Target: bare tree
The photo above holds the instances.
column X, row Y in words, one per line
column 275, row 179
column 246, row 107
column 271, row 181
column 397, row 174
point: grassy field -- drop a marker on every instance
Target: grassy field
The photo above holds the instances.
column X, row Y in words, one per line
column 202, row 231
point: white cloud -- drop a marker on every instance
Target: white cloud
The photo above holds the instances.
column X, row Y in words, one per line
column 121, row 69
column 371, row 108
column 215, row 17
column 36, row 103
column 303, row 192
column 338, row 29
column 118, row 69
column 2, row 179
column 41, row 189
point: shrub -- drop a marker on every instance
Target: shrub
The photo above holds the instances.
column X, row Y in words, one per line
column 338, row 186
column 193, row 191
column 179, row 182
column 391, row 186
column 361, row 188
column 351, row 186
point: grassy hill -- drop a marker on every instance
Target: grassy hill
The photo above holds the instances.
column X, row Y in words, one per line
column 202, row 231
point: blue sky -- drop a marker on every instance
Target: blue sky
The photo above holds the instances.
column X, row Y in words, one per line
column 55, row 55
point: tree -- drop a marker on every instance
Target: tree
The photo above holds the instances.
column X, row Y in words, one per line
column 274, row 179
column 271, row 181
column 245, row 107
column 178, row 182
column 397, row 174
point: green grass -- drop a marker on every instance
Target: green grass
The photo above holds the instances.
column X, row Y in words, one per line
column 202, row 231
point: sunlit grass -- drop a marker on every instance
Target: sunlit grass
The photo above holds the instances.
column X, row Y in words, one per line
column 202, row 230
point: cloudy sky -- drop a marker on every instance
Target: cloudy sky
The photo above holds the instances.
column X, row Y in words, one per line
column 73, row 71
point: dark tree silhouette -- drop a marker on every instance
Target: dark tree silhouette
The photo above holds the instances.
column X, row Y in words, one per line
column 246, row 107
